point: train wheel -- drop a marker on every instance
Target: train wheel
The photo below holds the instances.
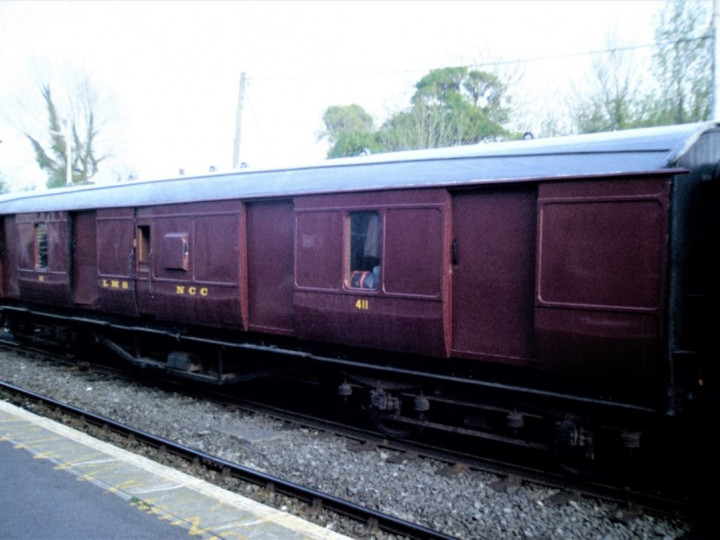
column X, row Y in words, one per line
column 582, row 452
column 573, row 449
column 392, row 426
column 384, row 412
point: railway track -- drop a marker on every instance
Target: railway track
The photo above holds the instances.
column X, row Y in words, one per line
column 315, row 501
column 511, row 471
column 631, row 500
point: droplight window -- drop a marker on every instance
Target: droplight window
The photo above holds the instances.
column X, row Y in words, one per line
column 41, row 246
column 365, row 249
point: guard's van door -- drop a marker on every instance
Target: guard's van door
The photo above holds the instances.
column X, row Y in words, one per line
column 115, row 260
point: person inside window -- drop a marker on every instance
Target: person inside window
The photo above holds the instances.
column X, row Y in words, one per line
column 365, row 249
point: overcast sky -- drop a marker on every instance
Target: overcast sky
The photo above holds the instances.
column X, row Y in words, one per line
column 170, row 70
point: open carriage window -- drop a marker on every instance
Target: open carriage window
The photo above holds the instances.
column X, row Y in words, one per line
column 365, row 249
column 143, row 247
column 41, row 246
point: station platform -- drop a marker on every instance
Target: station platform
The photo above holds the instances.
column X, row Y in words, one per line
column 58, row 483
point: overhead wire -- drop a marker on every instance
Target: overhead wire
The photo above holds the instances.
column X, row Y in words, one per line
column 258, row 126
column 546, row 58
column 496, row 63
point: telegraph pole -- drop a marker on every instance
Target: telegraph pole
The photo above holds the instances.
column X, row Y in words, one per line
column 238, row 121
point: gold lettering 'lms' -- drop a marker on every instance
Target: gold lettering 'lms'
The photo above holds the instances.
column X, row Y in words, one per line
column 115, row 284
column 191, row 291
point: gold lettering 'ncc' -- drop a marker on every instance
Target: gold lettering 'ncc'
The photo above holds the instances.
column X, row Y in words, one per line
column 191, row 291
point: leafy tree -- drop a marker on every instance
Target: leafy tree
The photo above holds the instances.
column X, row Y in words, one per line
column 460, row 87
column 78, row 134
column 350, row 131
column 416, row 127
column 450, row 106
column 354, row 144
column 342, row 120
column 683, row 62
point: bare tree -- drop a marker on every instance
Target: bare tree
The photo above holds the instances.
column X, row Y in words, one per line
column 682, row 63
column 674, row 89
column 70, row 156
column 615, row 99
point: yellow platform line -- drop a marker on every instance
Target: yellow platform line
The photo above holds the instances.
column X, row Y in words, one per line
column 201, row 508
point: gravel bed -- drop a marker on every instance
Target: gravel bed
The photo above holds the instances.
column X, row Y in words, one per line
column 468, row 505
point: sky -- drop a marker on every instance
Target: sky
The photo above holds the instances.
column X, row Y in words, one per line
column 168, row 72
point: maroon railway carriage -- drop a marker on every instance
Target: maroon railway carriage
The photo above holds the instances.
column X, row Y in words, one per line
column 563, row 278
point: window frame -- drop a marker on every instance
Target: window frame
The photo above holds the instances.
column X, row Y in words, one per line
column 361, row 271
column 143, row 248
column 41, row 248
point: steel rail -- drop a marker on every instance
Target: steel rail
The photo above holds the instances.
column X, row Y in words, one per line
column 653, row 501
column 369, row 517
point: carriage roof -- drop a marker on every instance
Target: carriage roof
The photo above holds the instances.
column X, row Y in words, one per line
column 627, row 152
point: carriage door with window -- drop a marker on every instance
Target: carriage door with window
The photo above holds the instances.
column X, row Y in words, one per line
column 188, row 263
column 143, row 255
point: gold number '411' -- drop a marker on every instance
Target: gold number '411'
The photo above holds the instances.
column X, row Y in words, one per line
column 362, row 304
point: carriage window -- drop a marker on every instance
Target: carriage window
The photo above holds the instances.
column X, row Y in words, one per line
column 365, row 249
column 143, row 247
column 41, row 246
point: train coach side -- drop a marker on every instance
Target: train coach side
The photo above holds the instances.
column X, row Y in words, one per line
column 569, row 275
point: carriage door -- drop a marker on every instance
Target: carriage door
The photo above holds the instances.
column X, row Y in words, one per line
column 84, row 258
column 188, row 263
column 143, row 260
column 493, row 274
column 115, row 238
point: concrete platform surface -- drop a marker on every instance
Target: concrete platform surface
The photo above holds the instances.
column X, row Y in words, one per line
column 58, row 483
